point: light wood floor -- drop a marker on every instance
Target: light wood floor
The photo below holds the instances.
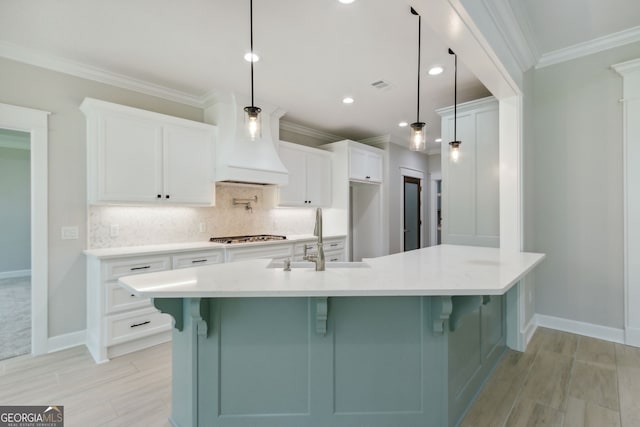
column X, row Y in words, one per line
column 561, row 380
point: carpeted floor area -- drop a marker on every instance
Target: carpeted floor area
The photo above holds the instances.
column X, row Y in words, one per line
column 15, row 317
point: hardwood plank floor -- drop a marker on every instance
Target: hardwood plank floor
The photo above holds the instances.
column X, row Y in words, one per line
column 562, row 380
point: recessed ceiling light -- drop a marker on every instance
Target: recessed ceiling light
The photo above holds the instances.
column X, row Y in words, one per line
column 438, row 139
column 403, row 124
column 347, row 100
column 251, row 57
column 435, row 70
column 346, row 1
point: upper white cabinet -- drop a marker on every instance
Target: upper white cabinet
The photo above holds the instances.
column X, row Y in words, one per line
column 309, row 176
column 140, row 157
column 471, row 186
column 365, row 164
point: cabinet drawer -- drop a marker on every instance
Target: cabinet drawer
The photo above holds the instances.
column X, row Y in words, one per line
column 337, row 256
column 118, row 298
column 117, row 269
column 140, row 323
column 328, row 245
column 198, row 258
column 277, row 252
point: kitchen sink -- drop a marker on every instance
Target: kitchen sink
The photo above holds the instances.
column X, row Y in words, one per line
column 328, row 265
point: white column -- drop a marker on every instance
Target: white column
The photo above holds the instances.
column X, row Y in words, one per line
column 630, row 71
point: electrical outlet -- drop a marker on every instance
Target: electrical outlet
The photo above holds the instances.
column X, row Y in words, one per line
column 203, row 227
column 70, row 232
column 114, row 230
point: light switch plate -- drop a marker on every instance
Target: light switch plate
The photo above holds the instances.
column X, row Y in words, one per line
column 114, row 230
column 70, row 232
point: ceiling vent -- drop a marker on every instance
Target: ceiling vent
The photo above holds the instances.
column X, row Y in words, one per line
column 381, row 84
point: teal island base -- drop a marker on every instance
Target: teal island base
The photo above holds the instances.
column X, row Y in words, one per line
column 337, row 361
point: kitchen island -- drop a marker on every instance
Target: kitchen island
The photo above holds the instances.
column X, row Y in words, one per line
column 400, row 340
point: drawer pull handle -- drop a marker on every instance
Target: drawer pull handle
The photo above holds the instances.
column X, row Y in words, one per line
column 135, row 325
column 195, row 261
column 132, row 295
column 333, row 259
column 140, row 268
column 333, row 245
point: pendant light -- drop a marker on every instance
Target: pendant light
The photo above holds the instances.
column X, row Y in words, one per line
column 417, row 140
column 252, row 116
column 455, row 144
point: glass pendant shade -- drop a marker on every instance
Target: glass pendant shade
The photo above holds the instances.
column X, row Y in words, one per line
column 454, row 152
column 417, row 141
column 252, row 122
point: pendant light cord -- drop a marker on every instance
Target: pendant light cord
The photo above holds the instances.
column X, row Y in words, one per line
column 455, row 95
column 252, row 54
column 419, row 37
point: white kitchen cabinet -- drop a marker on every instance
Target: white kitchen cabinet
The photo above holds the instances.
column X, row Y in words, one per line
column 309, row 176
column 140, row 157
column 471, row 186
column 276, row 251
column 333, row 249
column 118, row 322
column 365, row 164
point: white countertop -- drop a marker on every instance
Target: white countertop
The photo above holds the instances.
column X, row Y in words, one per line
column 438, row 270
column 106, row 253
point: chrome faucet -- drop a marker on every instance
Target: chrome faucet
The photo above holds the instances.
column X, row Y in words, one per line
column 318, row 258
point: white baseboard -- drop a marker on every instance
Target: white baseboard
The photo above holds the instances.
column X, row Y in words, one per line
column 15, row 273
column 581, row 328
column 632, row 337
column 62, row 342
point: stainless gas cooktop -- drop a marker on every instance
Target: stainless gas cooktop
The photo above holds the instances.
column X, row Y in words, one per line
column 247, row 239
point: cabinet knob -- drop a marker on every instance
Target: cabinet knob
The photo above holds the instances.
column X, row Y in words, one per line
column 167, row 196
column 368, row 177
column 159, row 196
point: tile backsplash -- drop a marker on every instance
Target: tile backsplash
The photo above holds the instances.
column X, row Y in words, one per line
column 150, row 225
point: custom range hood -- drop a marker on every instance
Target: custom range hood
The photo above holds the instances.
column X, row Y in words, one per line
column 238, row 159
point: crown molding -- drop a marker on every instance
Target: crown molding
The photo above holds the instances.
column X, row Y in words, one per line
column 376, row 140
column 516, row 35
column 307, row 131
column 590, row 47
column 77, row 69
column 488, row 102
column 627, row 67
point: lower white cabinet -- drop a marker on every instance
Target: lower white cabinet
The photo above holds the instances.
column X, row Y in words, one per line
column 118, row 322
column 277, row 251
column 333, row 249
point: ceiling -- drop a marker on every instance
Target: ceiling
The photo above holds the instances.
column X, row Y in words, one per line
column 558, row 24
column 313, row 52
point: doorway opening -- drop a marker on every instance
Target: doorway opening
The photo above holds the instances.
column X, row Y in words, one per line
column 411, row 209
column 15, row 245
column 412, row 219
column 34, row 123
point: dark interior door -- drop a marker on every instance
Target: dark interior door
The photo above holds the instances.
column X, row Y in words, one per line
column 412, row 219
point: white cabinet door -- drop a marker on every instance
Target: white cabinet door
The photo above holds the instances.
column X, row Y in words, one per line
column 187, row 165
column 318, row 179
column 309, row 176
column 129, row 159
column 364, row 165
column 295, row 192
column 142, row 157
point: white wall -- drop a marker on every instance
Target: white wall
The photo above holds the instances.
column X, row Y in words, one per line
column 573, row 187
column 15, row 208
column 400, row 157
column 61, row 94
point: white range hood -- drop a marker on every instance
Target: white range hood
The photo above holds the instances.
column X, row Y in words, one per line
column 238, row 159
